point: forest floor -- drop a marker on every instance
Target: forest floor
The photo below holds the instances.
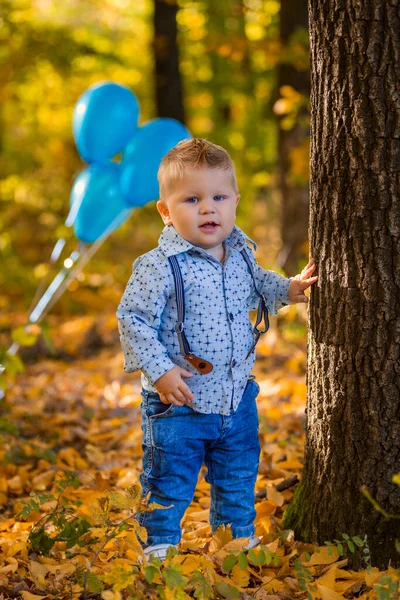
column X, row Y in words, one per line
column 70, row 461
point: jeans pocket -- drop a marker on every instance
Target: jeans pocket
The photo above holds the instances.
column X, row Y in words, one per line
column 155, row 408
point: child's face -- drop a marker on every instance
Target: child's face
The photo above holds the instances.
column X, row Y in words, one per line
column 202, row 207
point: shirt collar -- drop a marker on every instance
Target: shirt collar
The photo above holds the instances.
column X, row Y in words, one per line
column 171, row 242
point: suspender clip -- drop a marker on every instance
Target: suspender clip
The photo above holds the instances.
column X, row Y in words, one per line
column 202, row 366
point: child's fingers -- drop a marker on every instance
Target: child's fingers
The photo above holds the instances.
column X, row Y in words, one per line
column 186, row 391
column 179, row 396
column 305, row 283
column 309, row 269
column 172, row 399
column 165, row 399
column 185, row 373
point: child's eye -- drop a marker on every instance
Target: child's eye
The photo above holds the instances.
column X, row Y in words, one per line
column 219, row 197
column 192, row 199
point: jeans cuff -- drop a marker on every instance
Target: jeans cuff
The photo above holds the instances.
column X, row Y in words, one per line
column 237, row 532
column 171, row 540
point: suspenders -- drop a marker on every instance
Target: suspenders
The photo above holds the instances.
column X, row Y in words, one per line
column 262, row 310
column 201, row 365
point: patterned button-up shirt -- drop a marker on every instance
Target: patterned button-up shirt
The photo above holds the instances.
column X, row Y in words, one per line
column 218, row 297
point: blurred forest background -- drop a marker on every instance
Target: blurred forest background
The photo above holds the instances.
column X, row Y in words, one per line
column 242, row 81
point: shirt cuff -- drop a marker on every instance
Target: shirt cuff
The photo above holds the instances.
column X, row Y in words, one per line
column 157, row 367
column 282, row 295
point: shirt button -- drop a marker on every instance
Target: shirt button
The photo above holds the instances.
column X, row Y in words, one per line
column 231, row 317
column 233, row 363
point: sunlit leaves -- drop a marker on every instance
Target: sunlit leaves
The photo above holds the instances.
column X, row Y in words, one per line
column 69, row 494
column 120, row 574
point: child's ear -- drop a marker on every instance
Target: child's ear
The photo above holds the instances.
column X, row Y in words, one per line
column 237, row 199
column 164, row 212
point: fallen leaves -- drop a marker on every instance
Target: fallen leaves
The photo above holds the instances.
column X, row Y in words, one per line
column 84, row 418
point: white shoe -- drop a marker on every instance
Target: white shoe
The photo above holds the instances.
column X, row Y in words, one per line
column 158, row 550
column 252, row 543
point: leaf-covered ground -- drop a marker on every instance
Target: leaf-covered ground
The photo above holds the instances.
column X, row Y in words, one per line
column 71, row 456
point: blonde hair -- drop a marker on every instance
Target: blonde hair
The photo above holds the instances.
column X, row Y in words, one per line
column 193, row 153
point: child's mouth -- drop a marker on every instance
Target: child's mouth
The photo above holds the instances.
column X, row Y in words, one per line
column 209, row 226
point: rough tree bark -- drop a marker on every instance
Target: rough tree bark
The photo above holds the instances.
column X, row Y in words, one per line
column 353, row 405
column 294, row 205
column 167, row 75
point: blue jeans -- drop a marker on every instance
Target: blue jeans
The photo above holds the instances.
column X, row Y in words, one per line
column 177, row 441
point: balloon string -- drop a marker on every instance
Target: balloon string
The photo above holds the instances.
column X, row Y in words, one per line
column 55, row 254
column 86, row 253
column 60, row 283
column 42, row 306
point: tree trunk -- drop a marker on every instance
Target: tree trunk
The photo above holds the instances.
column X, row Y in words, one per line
column 167, row 75
column 353, row 405
column 295, row 197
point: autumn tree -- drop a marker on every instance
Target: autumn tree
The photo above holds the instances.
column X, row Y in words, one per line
column 167, row 74
column 353, row 409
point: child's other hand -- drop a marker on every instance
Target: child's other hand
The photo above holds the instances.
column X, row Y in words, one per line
column 301, row 282
column 172, row 389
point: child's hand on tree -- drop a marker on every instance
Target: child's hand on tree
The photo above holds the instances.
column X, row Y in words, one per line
column 172, row 389
column 301, row 282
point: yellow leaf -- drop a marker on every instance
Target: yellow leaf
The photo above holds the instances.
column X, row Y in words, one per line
column 345, row 586
column 171, row 594
column 328, row 594
column 9, row 568
column 324, row 556
column 342, row 574
column 264, row 509
column 239, row 576
column 272, row 586
column 189, row 564
column 28, row 596
column 273, row 546
column 328, row 578
column 200, row 515
column 42, row 481
column 221, row 537
column 274, row 496
column 16, row 548
column 291, row 465
column 110, row 595
column 72, row 458
column 63, row 569
column 372, row 576
column 123, row 500
column 194, row 544
column 38, row 572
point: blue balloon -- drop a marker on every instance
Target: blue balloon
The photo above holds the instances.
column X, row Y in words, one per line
column 97, row 205
column 141, row 159
column 105, row 120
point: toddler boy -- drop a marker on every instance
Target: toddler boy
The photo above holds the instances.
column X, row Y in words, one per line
column 199, row 399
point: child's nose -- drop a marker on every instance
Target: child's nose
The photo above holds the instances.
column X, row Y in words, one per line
column 207, row 206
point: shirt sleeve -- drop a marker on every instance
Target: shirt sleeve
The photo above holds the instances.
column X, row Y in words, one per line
column 273, row 286
column 139, row 314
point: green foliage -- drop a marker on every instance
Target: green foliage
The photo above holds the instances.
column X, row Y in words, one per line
column 227, row 591
column 305, row 579
column 173, row 578
column 229, row 55
column 242, row 561
column 351, row 543
column 202, row 587
column 229, row 563
column 7, row 427
column 387, row 588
